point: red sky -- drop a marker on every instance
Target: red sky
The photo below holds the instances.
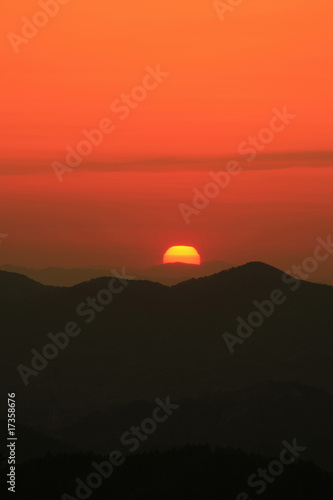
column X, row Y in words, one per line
column 120, row 206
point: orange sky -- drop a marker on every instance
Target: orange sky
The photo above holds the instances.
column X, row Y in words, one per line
column 225, row 79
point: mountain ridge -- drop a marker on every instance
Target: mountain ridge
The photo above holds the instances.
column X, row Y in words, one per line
column 252, row 268
column 167, row 274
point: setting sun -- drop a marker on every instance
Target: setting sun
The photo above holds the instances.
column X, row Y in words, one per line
column 184, row 254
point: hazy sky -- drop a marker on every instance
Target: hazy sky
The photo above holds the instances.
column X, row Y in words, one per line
column 225, row 78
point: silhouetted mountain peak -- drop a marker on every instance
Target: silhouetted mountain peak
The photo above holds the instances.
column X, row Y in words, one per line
column 257, row 265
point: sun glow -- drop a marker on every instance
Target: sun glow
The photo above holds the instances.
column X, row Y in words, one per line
column 184, row 254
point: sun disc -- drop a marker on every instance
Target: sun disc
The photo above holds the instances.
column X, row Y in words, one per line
column 181, row 253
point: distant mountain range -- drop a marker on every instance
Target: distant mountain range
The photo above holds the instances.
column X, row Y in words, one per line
column 189, row 473
column 155, row 338
column 255, row 419
column 158, row 341
column 167, row 274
